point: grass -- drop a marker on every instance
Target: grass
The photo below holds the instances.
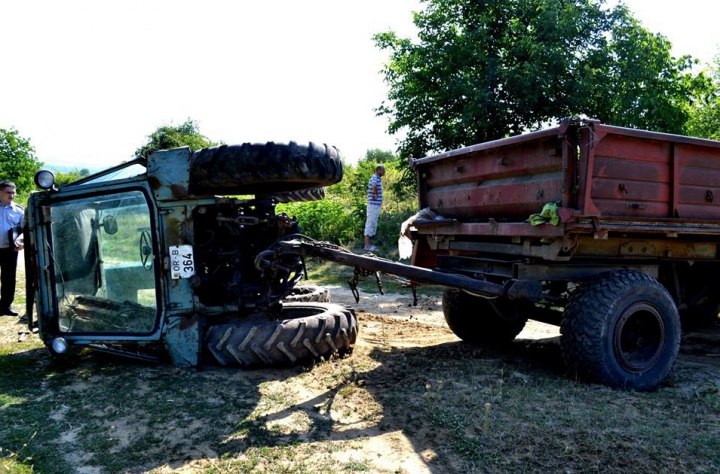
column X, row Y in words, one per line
column 392, row 407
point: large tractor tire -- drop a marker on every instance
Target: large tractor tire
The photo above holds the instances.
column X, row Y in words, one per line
column 484, row 321
column 308, row 331
column 305, row 195
column 269, row 168
column 308, row 293
column 621, row 329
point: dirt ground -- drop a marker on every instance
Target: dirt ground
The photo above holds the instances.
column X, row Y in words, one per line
column 427, row 312
column 392, row 322
column 389, row 321
column 426, row 326
column 368, row 436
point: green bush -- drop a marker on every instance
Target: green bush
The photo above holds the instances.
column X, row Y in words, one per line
column 340, row 217
column 328, row 220
column 333, row 221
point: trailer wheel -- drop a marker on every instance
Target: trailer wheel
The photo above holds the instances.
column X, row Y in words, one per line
column 308, row 293
column 621, row 329
column 483, row 321
column 269, row 168
column 308, row 331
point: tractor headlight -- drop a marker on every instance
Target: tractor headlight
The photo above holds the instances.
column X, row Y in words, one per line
column 44, row 179
column 59, row 345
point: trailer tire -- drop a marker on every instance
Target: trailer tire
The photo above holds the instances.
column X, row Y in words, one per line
column 308, row 331
column 308, row 293
column 474, row 319
column 269, row 168
column 621, row 329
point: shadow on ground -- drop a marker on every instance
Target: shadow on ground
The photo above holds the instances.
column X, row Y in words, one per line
column 389, row 409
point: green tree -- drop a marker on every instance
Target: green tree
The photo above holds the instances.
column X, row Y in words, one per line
column 356, row 177
column 637, row 83
column 171, row 136
column 704, row 119
column 17, row 160
column 68, row 177
column 486, row 69
column 378, row 156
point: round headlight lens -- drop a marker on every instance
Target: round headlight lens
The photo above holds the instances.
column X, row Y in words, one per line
column 59, row 345
column 44, row 179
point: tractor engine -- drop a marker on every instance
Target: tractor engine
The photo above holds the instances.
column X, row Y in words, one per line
column 227, row 238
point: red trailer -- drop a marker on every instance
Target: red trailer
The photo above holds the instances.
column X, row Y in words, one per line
column 611, row 233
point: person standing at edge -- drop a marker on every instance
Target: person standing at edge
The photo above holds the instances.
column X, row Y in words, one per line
column 374, row 201
column 12, row 217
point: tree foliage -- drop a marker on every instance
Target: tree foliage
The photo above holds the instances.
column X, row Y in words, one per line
column 639, row 84
column 704, row 119
column 356, row 179
column 170, row 136
column 327, row 220
column 17, row 160
column 485, row 69
column 70, row 176
column 340, row 217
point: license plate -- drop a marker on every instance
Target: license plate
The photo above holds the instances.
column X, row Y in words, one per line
column 182, row 262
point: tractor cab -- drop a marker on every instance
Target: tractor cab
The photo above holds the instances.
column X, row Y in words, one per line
column 93, row 241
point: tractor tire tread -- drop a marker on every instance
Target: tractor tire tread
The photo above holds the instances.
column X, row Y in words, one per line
column 330, row 330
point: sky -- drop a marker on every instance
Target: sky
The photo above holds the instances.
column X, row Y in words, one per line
column 690, row 25
column 86, row 81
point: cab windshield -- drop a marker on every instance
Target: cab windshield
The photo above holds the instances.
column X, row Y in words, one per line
column 103, row 264
column 122, row 173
